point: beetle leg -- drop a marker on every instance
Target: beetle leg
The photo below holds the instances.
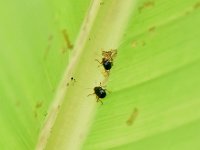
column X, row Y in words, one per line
column 91, row 94
column 98, row 100
column 98, row 62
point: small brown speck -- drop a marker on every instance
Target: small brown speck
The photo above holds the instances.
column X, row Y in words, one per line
column 101, row 3
column 196, row 5
column 143, row 43
column 145, row 5
column 73, row 80
column 132, row 118
column 39, row 104
column 45, row 114
column 152, row 29
column 66, row 38
column 187, row 12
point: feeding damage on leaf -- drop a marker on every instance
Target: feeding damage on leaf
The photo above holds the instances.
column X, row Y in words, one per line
column 145, row 5
column 132, row 117
column 68, row 43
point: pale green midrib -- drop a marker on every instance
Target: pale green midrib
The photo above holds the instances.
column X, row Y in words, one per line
column 86, row 27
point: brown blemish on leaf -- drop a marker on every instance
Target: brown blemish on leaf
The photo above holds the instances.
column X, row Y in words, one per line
column 38, row 104
column 72, row 81
column 152, row 29
column 145, row 5
column 101, row 3
column 196, row 5
column 137, row 43
column 132, row 117
column 50, row 38
column 45, row 114
column 187, row 12
column 67, row 41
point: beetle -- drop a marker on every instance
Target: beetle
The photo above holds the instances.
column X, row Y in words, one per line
column 107, row 64
column 107, row 60
column 100, row 93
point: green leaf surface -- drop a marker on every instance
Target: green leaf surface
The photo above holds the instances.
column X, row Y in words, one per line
column 157, row 73
column 154, row 83
column 33, row 55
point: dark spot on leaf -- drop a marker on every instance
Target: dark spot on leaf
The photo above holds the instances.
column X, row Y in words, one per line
column 187, row 12
column 73, row 80
column 39, row 104
column 145, row 5
column 67, row 41
column 45, row 114
column 132, row 117
column 152, row 29
column 101, row 3
column 143, row 43
column 196, row 5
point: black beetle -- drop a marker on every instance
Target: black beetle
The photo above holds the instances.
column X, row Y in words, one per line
column 107, row 60
column 99, row 92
